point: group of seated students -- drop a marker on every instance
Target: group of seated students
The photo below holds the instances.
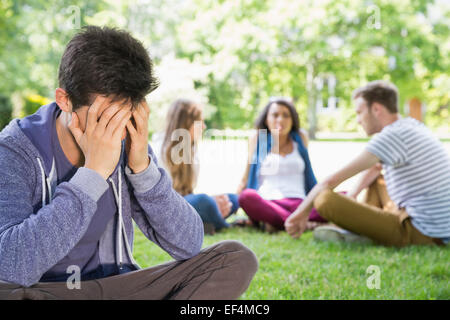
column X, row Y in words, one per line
column 79, row 175
column 408, row 203
column 268, row 198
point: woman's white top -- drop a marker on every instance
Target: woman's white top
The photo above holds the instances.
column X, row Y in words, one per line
column 282, row 176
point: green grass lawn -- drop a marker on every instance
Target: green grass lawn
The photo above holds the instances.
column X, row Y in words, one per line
column 307, row 269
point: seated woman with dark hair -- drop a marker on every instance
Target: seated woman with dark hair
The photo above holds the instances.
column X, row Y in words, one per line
column 279, row 174
column 185, row 120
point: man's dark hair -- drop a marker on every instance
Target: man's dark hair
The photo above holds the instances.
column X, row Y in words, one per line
column 261, row 123
column 107, row 61
column 379, row 91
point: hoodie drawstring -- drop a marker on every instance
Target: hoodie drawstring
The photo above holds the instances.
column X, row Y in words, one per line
column 49, row 190
column 44, row 189
column 119, row 221
column 121, row 232
column 118, row 196
column 46, row 182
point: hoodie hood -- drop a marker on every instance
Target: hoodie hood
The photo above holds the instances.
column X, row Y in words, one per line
column 42, row 122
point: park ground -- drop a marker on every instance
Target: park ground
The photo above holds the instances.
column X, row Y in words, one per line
column 304, row 268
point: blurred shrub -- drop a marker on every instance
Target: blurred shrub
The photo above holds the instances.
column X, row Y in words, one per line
column 5, row 111
column 339, row 121
column 33, row 102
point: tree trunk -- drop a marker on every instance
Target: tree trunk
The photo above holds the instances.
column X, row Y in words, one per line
column 311, row 91
column 415, row 109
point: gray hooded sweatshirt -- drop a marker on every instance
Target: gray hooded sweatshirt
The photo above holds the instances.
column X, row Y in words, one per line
column 42, row 223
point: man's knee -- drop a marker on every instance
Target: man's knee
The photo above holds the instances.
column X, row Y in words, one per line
column 323, row 200
column 245, row 260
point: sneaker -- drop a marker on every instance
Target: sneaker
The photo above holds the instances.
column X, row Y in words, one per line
column 335, row 234
column 266, row 227
column 242, row 223
column 312, row 225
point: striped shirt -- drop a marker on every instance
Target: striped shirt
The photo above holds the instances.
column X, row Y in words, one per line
column 417, row 174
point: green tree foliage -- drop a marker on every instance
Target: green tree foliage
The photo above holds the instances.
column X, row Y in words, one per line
column 33, row 36
column 231, row 56
column 280, row 48
column 5, row 111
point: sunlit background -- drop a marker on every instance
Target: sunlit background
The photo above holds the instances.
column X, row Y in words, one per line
column 231, row 56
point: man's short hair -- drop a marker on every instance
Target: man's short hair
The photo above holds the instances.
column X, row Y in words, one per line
column 107, row 61
column 379, row 91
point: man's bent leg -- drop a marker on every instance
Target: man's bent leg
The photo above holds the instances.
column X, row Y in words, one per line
column 88, row 290
column 378, row 196
column 391, row 228
column 372, row 196
column 382, row 226
column 221, row 271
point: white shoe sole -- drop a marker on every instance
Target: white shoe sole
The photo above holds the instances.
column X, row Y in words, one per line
column 333, row 234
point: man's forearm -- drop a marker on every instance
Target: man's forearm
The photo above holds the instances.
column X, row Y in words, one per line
column 364, row 161
column 306, row 206
column 366, row 180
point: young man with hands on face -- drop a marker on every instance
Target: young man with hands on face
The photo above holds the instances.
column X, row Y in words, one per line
column 74, row 176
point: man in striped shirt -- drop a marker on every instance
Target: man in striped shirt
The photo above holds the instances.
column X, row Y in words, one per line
column 410, row 203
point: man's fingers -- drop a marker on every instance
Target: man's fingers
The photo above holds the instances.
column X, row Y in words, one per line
column 298, row 232
column 107, row 115
column 121, row 124
column 94, row 111
column 289, row 229
column 138, row 121
column 131, row 129
column 288, row 224
column 74, row 127
column 145, row 108
column 141, row 122
column 141, row 110
column 115, row 121
column 294, row 230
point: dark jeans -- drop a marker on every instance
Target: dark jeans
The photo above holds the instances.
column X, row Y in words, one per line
column 207, row 208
